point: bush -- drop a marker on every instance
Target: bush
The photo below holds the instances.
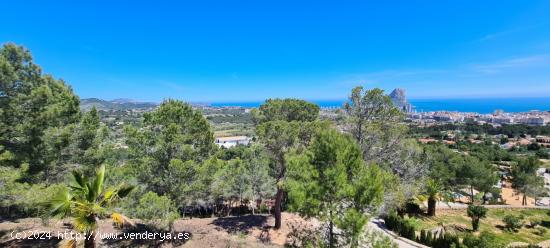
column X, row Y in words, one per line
column 300, row 235
column 264, row 208
column 412, row 208
column 20, row 200
column 443, row 241
column 157, row 210
column 392, row 221
column 408, row 230
column 426, row 238
column 496, row 196
column 485, row 240
column 543, row 153
column 377, row 239
column 513, row 223
column 541, row 231
column 404, row 228
column 446, row 241
column 533, row 146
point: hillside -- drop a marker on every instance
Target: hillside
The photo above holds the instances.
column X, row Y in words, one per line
column 116, row 104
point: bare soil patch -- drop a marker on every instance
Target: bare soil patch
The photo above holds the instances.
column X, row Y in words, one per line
column 231, row 231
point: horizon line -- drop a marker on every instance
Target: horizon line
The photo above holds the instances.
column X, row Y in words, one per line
column 323, row 99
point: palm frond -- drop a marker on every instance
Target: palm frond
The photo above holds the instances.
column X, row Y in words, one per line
column 60, row 204
column 108, row 196
column 124, row 190
column 98, row 182
column 78, row 181
column 68, row 243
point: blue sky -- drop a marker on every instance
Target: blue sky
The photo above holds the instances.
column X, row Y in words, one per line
column 253, row 50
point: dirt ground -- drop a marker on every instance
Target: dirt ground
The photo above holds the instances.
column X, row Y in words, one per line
column 510, row 196
column 238, row 231
column 233, row 231
column 514, row 198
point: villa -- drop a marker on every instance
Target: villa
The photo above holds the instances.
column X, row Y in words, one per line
column 232, row 141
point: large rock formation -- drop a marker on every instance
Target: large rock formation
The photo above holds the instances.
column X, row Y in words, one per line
column 400, row 100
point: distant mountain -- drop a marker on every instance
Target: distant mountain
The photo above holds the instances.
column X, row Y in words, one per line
column 116, row 104
column 123, row 100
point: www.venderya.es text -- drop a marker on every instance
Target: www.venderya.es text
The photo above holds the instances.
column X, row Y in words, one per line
column 43, row 235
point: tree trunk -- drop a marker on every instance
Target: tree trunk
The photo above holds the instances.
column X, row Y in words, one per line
column 330, row 231
column 475, row 224
column 431, row 206
column 278, row 203
column 472, row 193
column 524, row 200
column 229, row 207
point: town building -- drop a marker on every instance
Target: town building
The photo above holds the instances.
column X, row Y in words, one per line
column 232, row 141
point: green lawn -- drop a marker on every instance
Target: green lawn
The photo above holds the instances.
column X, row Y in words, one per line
column 493, row 223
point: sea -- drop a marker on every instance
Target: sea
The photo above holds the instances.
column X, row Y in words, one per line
column 479, row 105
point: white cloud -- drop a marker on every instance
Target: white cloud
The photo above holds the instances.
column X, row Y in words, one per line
column 523, row 75
column 514, row 63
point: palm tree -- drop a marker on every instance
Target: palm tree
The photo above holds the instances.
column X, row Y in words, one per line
column 434, row 192
column 476, row 212
column 86, row 202
column 433, row 189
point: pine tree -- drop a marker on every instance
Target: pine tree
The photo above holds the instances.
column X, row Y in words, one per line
column 331, row 182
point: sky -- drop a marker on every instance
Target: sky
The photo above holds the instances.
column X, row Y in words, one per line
column 216, row 51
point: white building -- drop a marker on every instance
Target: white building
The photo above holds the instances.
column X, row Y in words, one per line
column 543, row 172
column 535, row 121
column 232, row 141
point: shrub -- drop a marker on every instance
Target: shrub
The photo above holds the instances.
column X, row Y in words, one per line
column 446, row 241
column 485, row 240
column 426, row 237
column 157, row 210
column 408, row 230
column 392, row 221
column 301, row 235
column 422, row 238
column 412, row 208
column 496, row 196
column 544, row 154
column 19, row 199
column 403, row 227
column 540, row 231
column 264, row 208
column 376, row 239
column 513, row 223
column 533, row 146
